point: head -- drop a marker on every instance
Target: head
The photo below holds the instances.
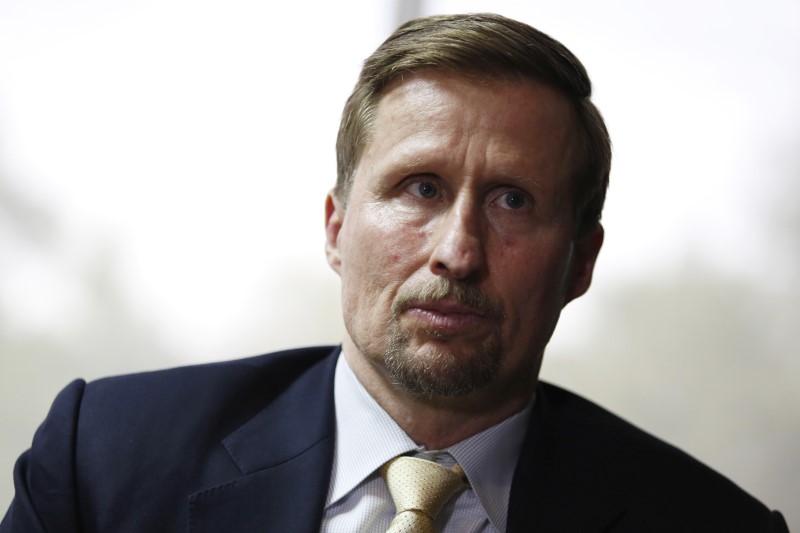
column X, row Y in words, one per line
column 482, row 47
column 472, row 171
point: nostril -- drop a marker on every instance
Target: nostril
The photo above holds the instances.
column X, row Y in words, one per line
column 456, row 265
column 439, row 266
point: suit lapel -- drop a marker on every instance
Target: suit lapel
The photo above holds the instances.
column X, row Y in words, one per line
column 284, row 454
column 559, row 483
column 286, row 497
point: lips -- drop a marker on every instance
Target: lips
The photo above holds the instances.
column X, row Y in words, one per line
column 445, row 317
column 445, row 307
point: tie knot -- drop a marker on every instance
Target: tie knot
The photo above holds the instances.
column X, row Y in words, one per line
column 419, row 489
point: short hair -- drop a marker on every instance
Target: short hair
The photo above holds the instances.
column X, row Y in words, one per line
column 488, row 46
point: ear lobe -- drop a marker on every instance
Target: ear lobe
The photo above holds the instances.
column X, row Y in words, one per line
column 334, row 217
column 583, row 261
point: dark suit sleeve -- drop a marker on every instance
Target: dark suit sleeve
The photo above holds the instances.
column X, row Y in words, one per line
column 45, row 496
column 777, row 524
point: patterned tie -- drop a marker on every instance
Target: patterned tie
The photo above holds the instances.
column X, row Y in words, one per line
column 419, row 489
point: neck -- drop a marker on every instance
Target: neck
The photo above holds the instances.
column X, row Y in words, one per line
column 439, row 422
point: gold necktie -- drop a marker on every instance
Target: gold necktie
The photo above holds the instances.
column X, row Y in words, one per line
column 419, row 489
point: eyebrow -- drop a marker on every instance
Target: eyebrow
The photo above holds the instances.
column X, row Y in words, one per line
column 409, row 166
column 428, row 164
column 514, row 178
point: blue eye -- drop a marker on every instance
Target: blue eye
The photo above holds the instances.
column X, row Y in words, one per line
column 426, row 189
column 514, row 200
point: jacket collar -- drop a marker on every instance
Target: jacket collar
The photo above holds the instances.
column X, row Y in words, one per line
column 284, row 454
column 561, row 482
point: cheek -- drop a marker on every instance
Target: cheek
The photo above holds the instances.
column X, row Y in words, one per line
column 392, row 240
column 512, row 259
column 383, row 251
column 378, row 255
column 530, row 273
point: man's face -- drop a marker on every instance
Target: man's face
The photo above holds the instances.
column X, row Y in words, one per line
column 457, row 248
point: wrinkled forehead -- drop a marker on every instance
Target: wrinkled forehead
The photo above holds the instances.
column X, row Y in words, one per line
column 535, row 120
column 544, row 106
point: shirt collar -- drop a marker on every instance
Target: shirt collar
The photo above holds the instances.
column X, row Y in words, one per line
column 488, row 458
column 366, row 436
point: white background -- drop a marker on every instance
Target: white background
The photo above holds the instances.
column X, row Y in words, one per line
column 163, row 166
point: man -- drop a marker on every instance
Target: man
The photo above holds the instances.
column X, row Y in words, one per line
column 472, row 173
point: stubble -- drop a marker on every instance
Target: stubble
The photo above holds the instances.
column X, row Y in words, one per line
column 442, row 368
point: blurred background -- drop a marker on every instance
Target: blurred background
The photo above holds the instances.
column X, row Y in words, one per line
column 163, row 167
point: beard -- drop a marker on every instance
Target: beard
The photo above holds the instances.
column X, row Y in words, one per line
column 438, row 370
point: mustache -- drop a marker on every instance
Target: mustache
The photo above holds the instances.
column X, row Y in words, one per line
column 440, row 289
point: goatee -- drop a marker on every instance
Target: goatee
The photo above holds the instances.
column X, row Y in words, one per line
column 437, row 370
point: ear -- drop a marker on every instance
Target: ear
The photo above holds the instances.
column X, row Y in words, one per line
column 583, row 260
column 334, row 216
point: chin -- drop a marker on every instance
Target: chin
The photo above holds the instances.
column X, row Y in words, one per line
column 438, row 369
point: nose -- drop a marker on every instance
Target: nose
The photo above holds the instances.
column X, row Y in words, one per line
column 458, row 244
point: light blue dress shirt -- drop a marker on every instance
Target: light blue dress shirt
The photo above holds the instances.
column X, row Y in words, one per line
column 366, row 437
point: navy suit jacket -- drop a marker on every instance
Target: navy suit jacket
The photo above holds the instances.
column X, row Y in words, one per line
column 247, row 446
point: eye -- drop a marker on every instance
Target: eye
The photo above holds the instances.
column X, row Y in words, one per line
column 423, row 189
column 514, row 200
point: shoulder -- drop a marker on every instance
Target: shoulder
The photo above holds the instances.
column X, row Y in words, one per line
column 599, row 456
column 579, row 426
column 282, row 363
column 208, row 381
column 220, row 395
column 156, row 437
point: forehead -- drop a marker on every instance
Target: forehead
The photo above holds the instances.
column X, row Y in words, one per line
column 519, row 123
column 510, row 96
